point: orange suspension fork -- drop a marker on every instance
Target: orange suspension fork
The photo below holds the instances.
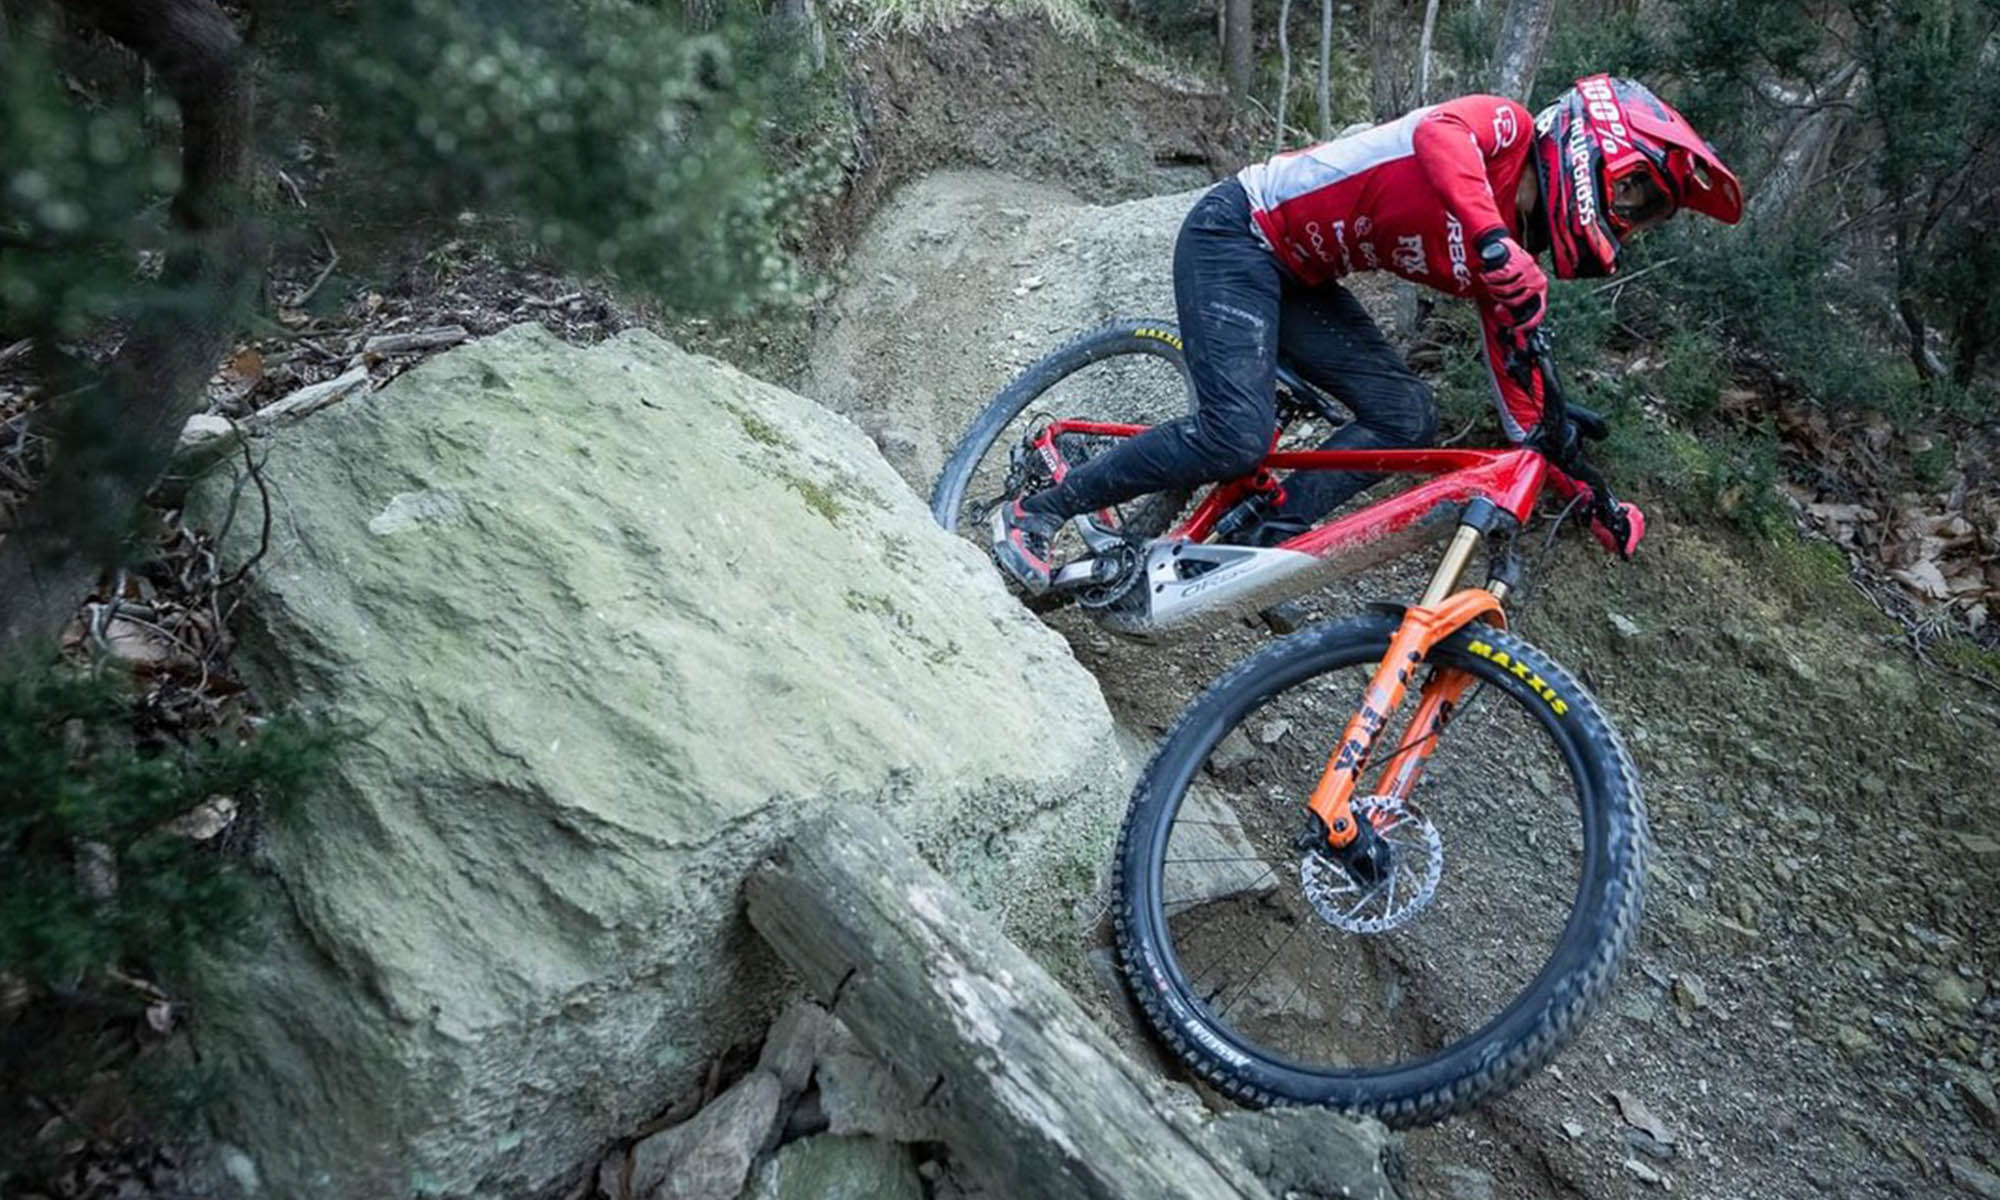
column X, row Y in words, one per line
column 1422, row 628
column 1424, row 625
column 1435, row 705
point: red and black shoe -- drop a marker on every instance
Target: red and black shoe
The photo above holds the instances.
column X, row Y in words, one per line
column 1021, row 544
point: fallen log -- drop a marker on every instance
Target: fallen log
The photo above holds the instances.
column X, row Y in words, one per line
column 1027, row 1092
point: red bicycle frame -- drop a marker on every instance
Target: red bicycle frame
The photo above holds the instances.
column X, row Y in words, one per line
column 1509, row 481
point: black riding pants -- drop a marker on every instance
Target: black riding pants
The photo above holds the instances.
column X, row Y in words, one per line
column 1237, row 310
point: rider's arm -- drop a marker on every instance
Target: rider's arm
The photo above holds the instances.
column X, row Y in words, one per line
column 1454, row 143
column 1520, row 404
column 1521, row 410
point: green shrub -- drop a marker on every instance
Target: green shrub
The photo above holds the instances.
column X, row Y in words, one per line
column 82, row 804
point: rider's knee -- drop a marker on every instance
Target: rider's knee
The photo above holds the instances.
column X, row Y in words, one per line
column 1229, row 451
column 1239, row 456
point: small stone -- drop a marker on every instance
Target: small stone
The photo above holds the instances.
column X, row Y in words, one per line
column 1273, row 733
column 1234, row 751
column 1624, row 626
column 1978, row 1091
column 1644, row 1173
column 206, row 429
column 1648, row 1145
column 838, row 1168
column 1851, row 1039
column 1689, row 991
column 1640, row 1117
column 1970, row 1176
column 1638, row 1008
column 1573, row 1130
column 708, row 1156
column 204, row 820
column 242, row 1171
column 1957, row 995
column 793, row 1045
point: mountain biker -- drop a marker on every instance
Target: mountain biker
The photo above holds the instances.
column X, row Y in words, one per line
column 1443, row 196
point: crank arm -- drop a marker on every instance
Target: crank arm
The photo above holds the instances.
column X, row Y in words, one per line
column 1098, row 532
column 1083, row 573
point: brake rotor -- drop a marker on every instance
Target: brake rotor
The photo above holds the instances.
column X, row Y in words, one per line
column 1409, row 887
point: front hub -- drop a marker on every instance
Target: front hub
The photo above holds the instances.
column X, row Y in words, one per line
column 1384, row 877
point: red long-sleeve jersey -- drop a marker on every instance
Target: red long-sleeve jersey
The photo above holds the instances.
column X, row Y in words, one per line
column 1412, row 196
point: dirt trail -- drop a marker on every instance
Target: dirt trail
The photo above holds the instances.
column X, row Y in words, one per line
column 1810, row 1009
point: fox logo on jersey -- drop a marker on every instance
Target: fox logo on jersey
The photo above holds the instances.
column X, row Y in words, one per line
column 1410, row 255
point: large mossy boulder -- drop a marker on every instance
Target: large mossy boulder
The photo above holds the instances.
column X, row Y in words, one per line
column 611, row 620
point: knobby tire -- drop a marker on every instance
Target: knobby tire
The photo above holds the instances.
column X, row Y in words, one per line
column 1523, row 1034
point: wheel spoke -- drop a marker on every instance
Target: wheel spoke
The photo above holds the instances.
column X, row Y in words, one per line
column 1243, row 988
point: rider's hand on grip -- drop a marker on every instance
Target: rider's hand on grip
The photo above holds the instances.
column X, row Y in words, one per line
column 1515, row 282
column 1621, row 536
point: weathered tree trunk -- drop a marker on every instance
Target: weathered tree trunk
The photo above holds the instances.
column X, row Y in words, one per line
column 1926, row 361
column 1384, row 85
column 112, row 438
column 1018, row 1078
column 1284, row 71
column 1236, row 47
column 1806, row 144
column 1524, row 35
column 1975, row 335
column 121, row 431
column 1325, row 69
column 1424, row 53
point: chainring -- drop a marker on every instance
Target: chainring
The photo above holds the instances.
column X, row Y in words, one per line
column 1130, row 567
column 1412, row 882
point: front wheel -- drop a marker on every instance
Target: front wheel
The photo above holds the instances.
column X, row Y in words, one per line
column 1519, row 860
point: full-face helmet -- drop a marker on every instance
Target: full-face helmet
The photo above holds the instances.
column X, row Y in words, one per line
column 1613, row 159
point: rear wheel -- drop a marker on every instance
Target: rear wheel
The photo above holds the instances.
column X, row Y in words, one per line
column 1128, row 371
column 1519, row 860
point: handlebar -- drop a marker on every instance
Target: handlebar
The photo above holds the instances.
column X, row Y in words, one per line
column 1559, row 435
